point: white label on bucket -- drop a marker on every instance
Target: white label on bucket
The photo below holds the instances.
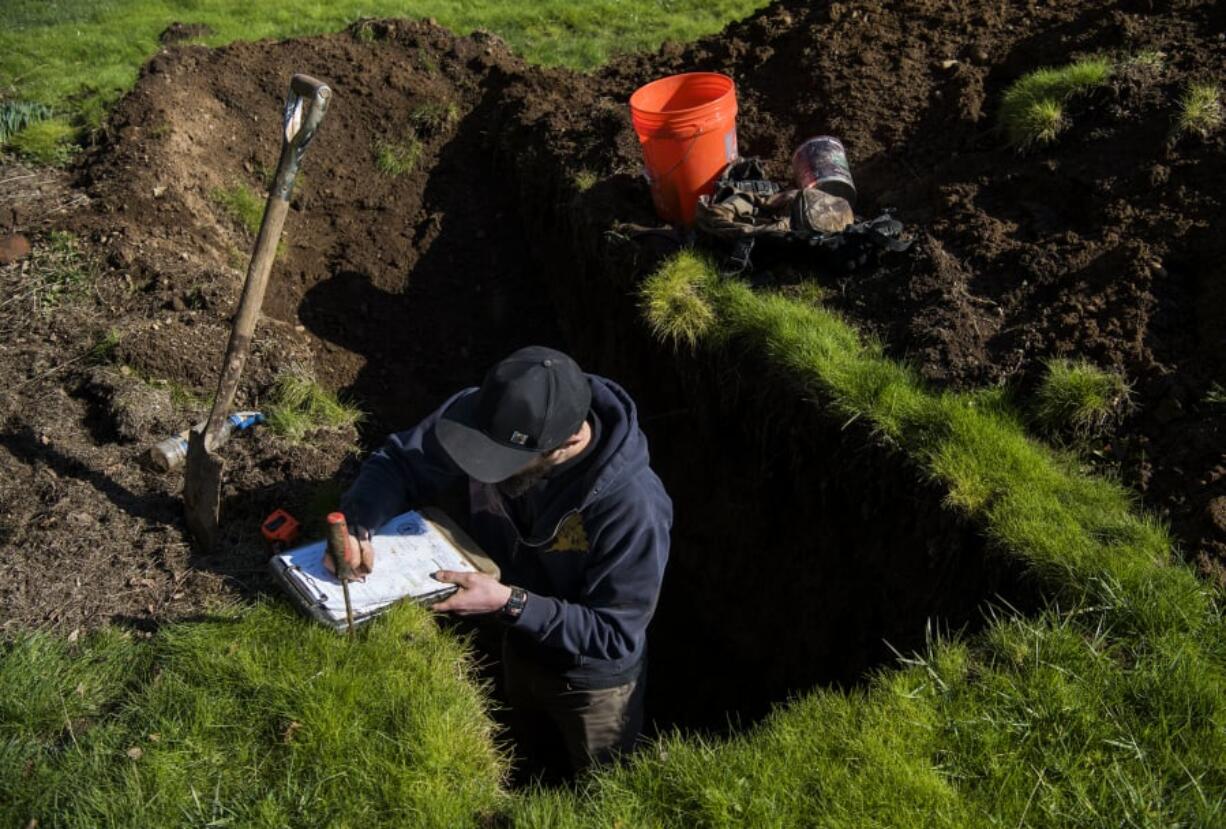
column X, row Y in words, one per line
column 730, row 145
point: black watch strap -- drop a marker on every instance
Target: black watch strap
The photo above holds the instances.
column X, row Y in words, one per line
column 515, row 605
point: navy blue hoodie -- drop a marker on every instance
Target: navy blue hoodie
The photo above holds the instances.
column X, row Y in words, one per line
column 593, row 559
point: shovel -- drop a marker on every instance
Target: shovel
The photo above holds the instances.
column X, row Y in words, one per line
column 304, row 109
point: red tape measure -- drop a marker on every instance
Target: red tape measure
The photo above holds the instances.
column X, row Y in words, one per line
column 280, row 530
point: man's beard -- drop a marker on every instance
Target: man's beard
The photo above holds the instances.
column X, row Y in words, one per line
column 517, row 485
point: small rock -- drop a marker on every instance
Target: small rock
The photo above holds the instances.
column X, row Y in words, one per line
column 136, row 752
column 949, row 64
column 159, row 190
column 75, row 635
column 13, row 248
column 980, row 55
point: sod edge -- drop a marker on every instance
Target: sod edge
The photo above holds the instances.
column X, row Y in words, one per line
column 1081, row 535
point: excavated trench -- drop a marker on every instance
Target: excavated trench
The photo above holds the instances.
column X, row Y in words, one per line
column 803, row 553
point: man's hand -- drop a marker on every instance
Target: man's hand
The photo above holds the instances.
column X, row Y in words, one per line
column 359, row 553
column 478, row 593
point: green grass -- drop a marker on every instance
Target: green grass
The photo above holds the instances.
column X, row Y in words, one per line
column 82, row 54
column 1078, row 398
column 298, row 405
column 674, row 304
column 1200, row 109
column 242, row 205
column 434, row 117
column 245, row 208
column 398, row 158
column 46, row 142
column 585, row 180
column 250, row 719
column 1032, row 108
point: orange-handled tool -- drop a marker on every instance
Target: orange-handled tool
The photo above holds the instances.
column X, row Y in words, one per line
column 338, row 540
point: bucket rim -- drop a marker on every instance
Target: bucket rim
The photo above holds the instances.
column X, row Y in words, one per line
column 677, row 113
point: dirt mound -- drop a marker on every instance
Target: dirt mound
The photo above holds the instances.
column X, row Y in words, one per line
column 1100, row 246
column 395, row 288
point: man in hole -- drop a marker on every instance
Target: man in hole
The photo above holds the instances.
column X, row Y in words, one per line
column 562, row 497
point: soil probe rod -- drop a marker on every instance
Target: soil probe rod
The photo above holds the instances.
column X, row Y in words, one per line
column 304, row 109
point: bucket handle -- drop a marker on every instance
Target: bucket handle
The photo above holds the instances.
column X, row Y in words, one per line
column 693, row 141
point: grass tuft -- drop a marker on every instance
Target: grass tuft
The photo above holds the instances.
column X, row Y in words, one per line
column 1200, row 110
column 585, row 180
column 1079, row 398
column 398, row 158
column 434, row 117
column 1032, row 109
column 48, row 142
column 674, row 303
column 242, row 205
column 298, row 405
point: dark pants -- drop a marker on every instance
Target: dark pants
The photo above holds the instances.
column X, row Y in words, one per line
column 589, row 726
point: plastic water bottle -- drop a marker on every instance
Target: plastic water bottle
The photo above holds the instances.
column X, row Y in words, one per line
column 170, row 454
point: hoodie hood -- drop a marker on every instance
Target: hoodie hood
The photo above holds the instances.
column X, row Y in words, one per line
column 621, row 454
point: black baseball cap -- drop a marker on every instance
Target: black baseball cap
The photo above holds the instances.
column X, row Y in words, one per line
column 528, row 404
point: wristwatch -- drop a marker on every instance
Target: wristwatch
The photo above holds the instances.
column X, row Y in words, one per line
column 515, row 605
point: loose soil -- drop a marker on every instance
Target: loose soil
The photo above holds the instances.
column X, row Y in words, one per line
column 399, row 290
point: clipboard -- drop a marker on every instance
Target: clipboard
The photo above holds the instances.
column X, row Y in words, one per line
column 407, row 548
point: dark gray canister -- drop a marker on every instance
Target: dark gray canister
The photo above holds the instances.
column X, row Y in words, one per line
column 821, row 162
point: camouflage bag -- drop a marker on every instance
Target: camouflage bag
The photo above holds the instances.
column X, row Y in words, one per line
column 747, row 211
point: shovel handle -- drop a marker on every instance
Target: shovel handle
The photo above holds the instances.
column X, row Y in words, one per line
column 305, row 107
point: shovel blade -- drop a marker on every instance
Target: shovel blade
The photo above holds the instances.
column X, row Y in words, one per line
column 202, row 491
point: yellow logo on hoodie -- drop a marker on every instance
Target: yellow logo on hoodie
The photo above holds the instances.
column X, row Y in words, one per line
column 571, row 537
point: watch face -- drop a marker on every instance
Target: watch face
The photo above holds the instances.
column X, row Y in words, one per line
column 515, row 604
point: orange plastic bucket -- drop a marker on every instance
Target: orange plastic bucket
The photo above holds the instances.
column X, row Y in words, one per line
column 687, row 128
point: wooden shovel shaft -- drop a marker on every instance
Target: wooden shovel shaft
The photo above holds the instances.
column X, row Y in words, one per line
column 308, row 101
column 248, row 313
column 202, row 478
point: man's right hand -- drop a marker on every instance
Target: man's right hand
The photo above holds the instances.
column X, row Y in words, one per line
column 359, row 553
